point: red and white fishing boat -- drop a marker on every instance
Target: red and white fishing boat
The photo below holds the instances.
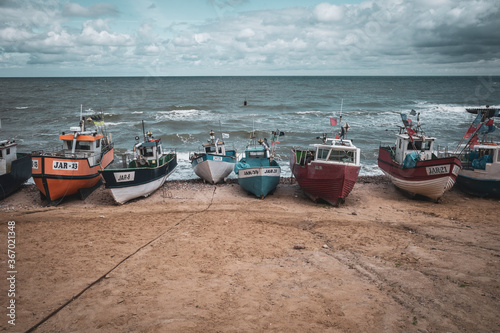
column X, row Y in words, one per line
column 413, row 164
column 328, row 170
column 73, row 169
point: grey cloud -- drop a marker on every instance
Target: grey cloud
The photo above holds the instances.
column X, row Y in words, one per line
column 369, row 37
column 71, row 9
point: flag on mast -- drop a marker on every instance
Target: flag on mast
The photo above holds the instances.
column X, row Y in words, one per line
column 333, row 121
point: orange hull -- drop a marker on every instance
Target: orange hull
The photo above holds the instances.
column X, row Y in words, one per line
column 57, row 177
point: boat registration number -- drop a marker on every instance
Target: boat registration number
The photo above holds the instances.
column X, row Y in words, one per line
column 438, row 170
column 64, row 165
column 124, row 176
column 34, row 164
column 218, row 158
column 259, row 172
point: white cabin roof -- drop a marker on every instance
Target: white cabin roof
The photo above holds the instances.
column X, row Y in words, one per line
column 336, row 143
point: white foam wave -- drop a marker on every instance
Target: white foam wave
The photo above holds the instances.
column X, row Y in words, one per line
column 182, row 114
column 186, row 138
column 317, row 113
column 22, row 107
column 119, row 123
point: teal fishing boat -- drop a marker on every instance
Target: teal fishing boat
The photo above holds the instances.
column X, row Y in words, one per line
column 258, row 172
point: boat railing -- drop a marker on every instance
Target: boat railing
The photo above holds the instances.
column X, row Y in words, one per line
column 442, row 151
column 390, row 147
column 60, row 152
column 54, row 151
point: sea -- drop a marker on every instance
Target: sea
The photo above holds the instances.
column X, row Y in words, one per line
column 183, row 110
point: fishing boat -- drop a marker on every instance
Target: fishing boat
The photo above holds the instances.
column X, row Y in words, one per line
column 328, row 170
column 214, row 163
column 74, row 168
column 415, row 166
column 144, row 174
column 15, row 168
column 258, row 172
column 480, row 157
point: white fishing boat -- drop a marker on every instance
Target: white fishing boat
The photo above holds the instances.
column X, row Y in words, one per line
column 214, row 163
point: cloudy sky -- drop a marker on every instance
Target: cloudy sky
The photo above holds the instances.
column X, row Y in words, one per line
column 249, row 37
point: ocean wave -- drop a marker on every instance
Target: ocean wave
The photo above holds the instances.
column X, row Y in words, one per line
column 22, row 107
column 191, row 114
column 128, row 123
column 316, row 113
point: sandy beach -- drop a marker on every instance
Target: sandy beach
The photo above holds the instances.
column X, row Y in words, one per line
column 201, row 258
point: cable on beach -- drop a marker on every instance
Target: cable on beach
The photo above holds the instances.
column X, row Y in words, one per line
column 53, row 313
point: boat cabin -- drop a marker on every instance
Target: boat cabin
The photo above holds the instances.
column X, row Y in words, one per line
column 336, row 151
column 421, row 145
column 215, row 148
column 147, row 153
column 256, row 153
column 8, row 154
column 82, row 144
column 482, row 157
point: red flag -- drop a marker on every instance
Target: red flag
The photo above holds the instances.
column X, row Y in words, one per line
column 489, row 122
column 469, row 132
column 333, row 121
column 473, row 141
column 337, row 136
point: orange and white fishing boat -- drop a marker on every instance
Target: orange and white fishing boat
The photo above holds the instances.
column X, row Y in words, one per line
column 73, row 169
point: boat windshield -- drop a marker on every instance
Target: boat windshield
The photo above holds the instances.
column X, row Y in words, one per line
column 256, row 154
column 420, row 145
column 341, row 156
column 148, row 152
column 336, row 155
column 80, row 145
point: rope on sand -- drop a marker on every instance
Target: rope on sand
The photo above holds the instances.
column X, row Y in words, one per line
column 53, row 313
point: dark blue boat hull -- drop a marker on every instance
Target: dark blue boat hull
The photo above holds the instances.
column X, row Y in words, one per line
column 19, row 174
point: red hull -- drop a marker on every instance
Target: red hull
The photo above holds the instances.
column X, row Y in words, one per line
column 326, row 181
column 56, row 184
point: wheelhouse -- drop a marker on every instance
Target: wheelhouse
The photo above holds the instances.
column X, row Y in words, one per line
column 332, row 151
column 83, row 145
column 421, row 145
column 8, row 154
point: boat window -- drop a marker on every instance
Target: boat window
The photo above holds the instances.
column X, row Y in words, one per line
column 220, row 150
column 256, row 154
column 158, row 150
column 342, row 156
column 98, row 143
column 419, row 145
column 1, row 153
column 7, row 151
column 210, row 149
column 83, row 145
column 399, row 143
column 323, row 154
column 148, row 152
